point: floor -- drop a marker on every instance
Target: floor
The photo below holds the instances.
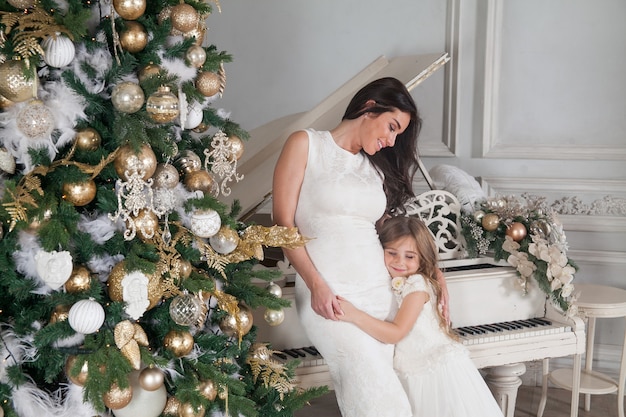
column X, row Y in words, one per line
column 558, row 405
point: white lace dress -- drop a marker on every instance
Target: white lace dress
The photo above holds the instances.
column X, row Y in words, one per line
column 436, row 371
column 340, row 200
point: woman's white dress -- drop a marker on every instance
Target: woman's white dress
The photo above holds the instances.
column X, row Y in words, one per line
column 340, row 200
column 436, row 371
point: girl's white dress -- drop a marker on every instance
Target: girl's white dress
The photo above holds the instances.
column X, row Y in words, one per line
column 435, row 370
column 340, row 200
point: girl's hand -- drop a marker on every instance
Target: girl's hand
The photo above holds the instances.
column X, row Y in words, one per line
column 348, row 310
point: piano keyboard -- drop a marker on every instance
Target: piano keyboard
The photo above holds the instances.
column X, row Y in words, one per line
column 510, row 330
column 308, row 356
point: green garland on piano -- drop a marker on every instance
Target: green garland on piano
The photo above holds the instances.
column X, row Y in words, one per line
column 528, row 235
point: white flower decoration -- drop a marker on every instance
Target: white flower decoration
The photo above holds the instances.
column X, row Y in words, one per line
column 397, row 283
column 54, row 268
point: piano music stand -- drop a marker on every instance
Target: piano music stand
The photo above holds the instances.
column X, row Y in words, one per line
column 596, row 301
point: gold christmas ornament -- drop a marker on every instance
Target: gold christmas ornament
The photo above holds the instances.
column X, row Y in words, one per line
column 129, row 9
column 162, row 106
column 150, row 70
column 516, row 231
column 201, row 181
column 87, row 139
column 127, row 160
column 14, row 84
column 188, row 161
column 184, row 268
column 490, row 222
column 127, row 97
column 201, row 128
column 166, row 176
column 116, row 289
column 5, row 103
column 128, row 337
column 196, row 56
column 151, row 378
column 180, row 343
column 79, row 193
column 146, row 224
column 208, row 83
column 59, row 50
column 171, row 407
column 134, row 37
column 208, row 389
column 188, row 410
column 237, row 324
column 225, row 240
column 197, row 33
column 35, row 120
column 274, row 317
column 86, row 316
column 80, row 378
column 235, row 145
column 116, row 397
column 21, row 4
column 79, row 281
column 60, row 313
column 184, row 17
column 274, row 289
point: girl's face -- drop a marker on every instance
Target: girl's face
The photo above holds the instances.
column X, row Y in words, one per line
column 401, row 257
column 380, row 130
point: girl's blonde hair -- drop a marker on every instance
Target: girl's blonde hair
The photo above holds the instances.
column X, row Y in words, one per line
column 399, row 227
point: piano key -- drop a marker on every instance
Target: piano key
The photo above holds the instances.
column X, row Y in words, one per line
column 300, row 352
column 291, row 353
column 311, row 350
column 511, row 330
column 280, row 355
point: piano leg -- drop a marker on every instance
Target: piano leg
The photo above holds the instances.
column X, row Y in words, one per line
column 504, row 381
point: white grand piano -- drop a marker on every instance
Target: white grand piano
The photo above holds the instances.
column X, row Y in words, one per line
column 501, row 326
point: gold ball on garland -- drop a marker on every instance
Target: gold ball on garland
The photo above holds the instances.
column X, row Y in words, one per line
column 188, row 410
column 151, row 378
column 201, row 181
column 127, row 97
column 274, row 289
column 162, row 106
column 35, row 120
column 188, row 161
column 171, row 407
column 208, row 390
column 5, row 103
column 184, row 268
column 225, row 241
column 540, row 228
column 79, row 193
column 201, row 128
column 22, row 4
column 36, row 222
column 166, row 176
column 274, row 317
column 80, row 378
column 129, row 9
column 490, row 222
column 134, row 37
column 196, row 56
column 516, row 231
column 184, row 17
column 61, row 313
column 116, row 397
column 197, row 33
column 127, row 160
column 179, row 342
column 235, row 145
column 239, row 324
column 79, row 280
column 14, row 84
column 208, row 83
column 146, row 224
column 478, row 215
column 116, row 290
column 87, row 139
column 150, row 70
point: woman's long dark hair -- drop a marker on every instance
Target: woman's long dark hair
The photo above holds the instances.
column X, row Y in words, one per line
column 398, row 163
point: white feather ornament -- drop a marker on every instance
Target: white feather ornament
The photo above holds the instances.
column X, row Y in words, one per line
column 101, row 228
column 28, row 400
column 458, row 182
column 24, row 256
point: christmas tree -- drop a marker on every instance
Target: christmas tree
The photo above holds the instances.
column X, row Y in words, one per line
column 127, row 286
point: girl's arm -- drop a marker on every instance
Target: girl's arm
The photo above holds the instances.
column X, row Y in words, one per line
column 385, row 331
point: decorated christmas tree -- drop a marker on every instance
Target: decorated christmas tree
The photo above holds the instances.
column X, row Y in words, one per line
column 126, row 285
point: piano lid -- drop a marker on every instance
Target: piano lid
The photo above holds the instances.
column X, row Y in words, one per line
column 262, row 150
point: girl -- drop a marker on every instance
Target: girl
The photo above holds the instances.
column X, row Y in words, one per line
column 435, row 369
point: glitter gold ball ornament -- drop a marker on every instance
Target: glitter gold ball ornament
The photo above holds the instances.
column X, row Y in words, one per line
column 171, row 407
column 117, row 397
column 201, row 128
column 196, row 56
column 80, row 280
column 127, row 97
column 87, row 139
column 134, row 37
column 59, row 50
column 61, row 313
column 208, row 389
column 516, row 231
column 80, row 378
column 188, row 161
column 274, row 317
column 150, row 70
column 201, row 181
column 166, row 176
column 22, row 4
column 235, row 145
column 188, row 410
column 128, row 161
column 179, row 342
column 129, row 9
column 151, row 378
column 79, row 193
column 14, row 84
column 116, row 289
column 239, row 324
column 205, row 223
column 35, row 120
column 146, row 224
column 208, row 83
column 197, row 33
column 490, row 221
column 162, row 106
column 86, row 316
column 225, row 240
column 184, row 17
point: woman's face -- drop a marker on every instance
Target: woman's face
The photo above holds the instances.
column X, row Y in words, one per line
column 401, row 257
column 380, row 130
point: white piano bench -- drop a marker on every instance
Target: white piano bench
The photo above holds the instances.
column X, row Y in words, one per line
column 596, row 301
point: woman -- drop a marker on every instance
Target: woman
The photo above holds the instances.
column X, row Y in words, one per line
column 334, row 186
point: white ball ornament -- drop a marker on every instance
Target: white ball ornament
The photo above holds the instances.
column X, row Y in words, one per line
column 144, row 403
column 59, row 50
column 274, row 317
column 127, row 97
column 274, row 289
column 205, row 223
column 195, row 114
column 35, row 120
column 86, row 316
column 225, row 241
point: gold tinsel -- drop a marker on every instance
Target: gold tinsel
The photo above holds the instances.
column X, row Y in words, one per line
column 128, row 337
column 273, row 374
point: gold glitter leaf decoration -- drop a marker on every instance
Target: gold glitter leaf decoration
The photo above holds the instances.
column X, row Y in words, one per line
column 273, row 374
column 128, row 336
column 21, row 197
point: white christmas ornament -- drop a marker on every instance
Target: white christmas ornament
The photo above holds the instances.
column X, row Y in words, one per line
column 86, row 316
column 144, row 403
column 194, row 115
column 135, row 294
column 59, row 50
column 205, row 223
column 35, row 120
column 54, row 268
column 7, row 161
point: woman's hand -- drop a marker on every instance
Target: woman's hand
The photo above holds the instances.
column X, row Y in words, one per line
column 324, row 302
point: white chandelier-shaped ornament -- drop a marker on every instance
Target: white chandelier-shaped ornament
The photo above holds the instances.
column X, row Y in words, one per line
column 223, row 163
